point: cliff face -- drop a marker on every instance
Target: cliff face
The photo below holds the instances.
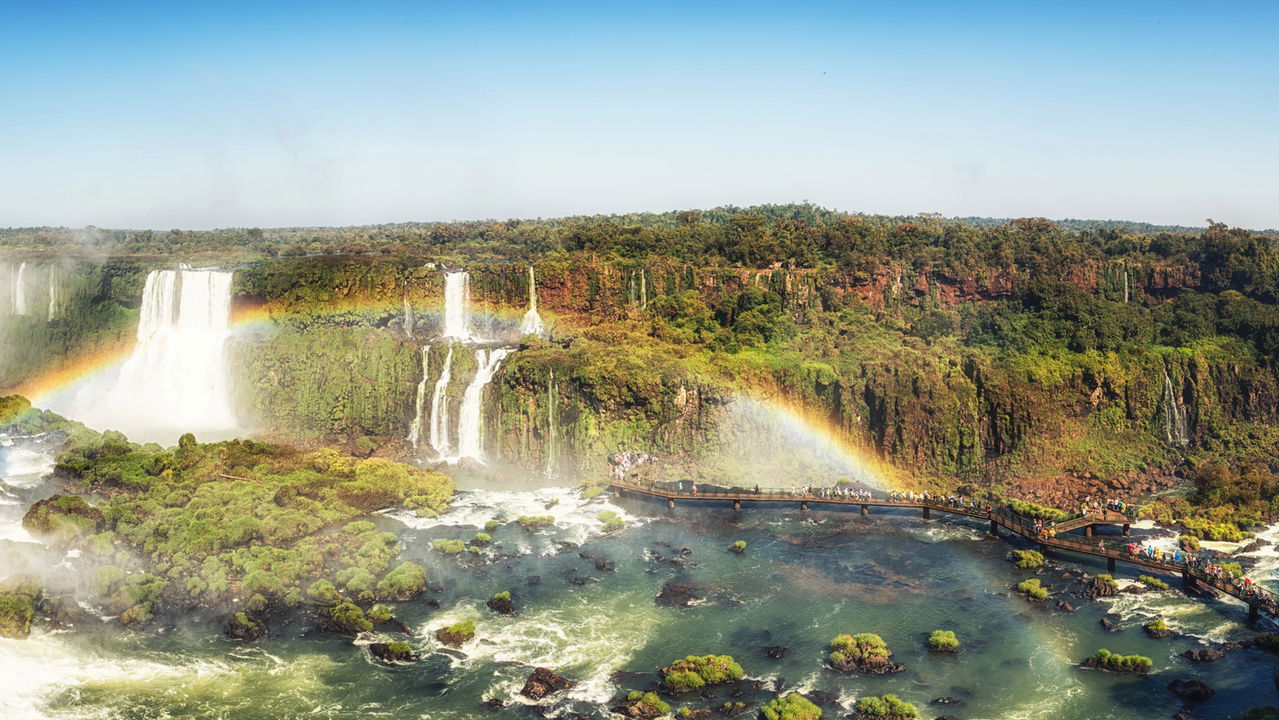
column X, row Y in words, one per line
column 338, row 359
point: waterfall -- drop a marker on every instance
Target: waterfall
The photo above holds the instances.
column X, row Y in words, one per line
column 1125, row 284
column 552, row 425
column 470, row 440
column 20, row 291
column 176, row 379
column 1176, row 424
column 440, row 408
column 457, row 298
column 532, row 323
column 415, row 428
column 643, row 290
column 410, row 320
column 53, row 294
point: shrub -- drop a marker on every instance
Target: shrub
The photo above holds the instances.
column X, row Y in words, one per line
column 739, row 546
column 1105, row 580
column 482, row 539
column 380, row 614
column 650, row 699
column 323, row 592
column 1105, row 660
column 1031, row 510
column 457, row 633
column 791, row 707
column 612, row 521
column 1188, row 542
column 696, row 671
column 347, row 617
column 1156, row 626
column 888, row 707
column 1153, row 582
column 943, row 640
column 591, row 491
column 1031, row 589
column 491, row 525
column 532, row 522
column 405, row 582
column 1028, row 559
column 447, row 547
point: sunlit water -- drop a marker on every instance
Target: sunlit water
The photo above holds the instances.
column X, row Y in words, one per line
column 802, row 580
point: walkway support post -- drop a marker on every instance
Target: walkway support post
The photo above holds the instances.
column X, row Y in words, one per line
column 865, row 510
column 925, row 513
column 1253, row 611
column 1127, row 530
column 1110, row 564
column 803, row 506
column 670, row 503
column 1088, row 531
column 994, row 527
column 737, row 504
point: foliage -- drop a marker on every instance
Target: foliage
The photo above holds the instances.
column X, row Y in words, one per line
column 447, row 547
column 1152, row 582
column 1027, row 559
column 888, row 707
column 532, row 522
column 739, row 546
column 457, row 633
column 943, row 640
column 696, row 671
column 1106, row 660
column 862, row 648
column 651, row 700
column 1156, row 625
column 405, row 582
column 612, row 521
column 1031, row 589
column 791, row 707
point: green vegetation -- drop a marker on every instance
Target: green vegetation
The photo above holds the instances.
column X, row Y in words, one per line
column 791, row 707
column 943, row 640
column 696, row 671
column 1188, row 542
column 1031, row 510
column 591, row 491
column 447, row 547
column 612, row 521
column 379, row 614
column 739, row 546
column 234, row 519
column 1152, row 582
column 888, row 707
column 650, row 701
column 17, row 606
column 1031, row 589
column 1156, row 627
column 1106, row 581
column 457, row 634
column 481, row 539
column 347, row 617
column 532, row 522
column 1027, row 559
column 858, row 651
column 1106, row 660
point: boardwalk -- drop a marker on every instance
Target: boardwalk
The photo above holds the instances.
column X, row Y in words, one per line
column 1114, row 551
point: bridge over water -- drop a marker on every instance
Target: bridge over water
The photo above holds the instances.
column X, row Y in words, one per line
column 1256, row 598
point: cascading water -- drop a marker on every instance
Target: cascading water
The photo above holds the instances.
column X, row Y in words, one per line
column 53, row 295
column 1176, row 422
column 470, row 435
column 440, row 408
column 20, row 290
column 552, row 425
column 176, row 379
column 457, row 299
column 643, row 290
column 410, row 320
column 532, row 323
column 419, row 406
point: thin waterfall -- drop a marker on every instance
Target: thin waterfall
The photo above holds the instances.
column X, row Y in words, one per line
column 532, row 323
column 410, row 320
column 419, row 407
column 1125, row 284
column 1176, row 422
column 53, row 294
column 457, row 299
column 176, row 379
column 643, row 290
column 470, row 428
column 552, row 425
column 440, row 407
column 20, row 291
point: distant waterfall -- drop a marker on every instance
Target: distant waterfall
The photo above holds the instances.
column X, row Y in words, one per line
column 457, row 299
column 419, row 407
column 440, row 408
column 469, row 426
column 176, row 379
column 410, row 320
column 53, row 294
column 643, row 290
column 1125, row 284
column 552, row 425
column 20, row 291
column 532, row 323
column 1176, row 423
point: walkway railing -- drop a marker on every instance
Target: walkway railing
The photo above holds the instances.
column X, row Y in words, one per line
column 1257, row 598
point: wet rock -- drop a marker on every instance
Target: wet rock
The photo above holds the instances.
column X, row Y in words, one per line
column 494, row 704
column 565, row 545
column 543, row 682
column 1158, row 633
column 1193, row 690
column 947, row 701
column 1110, row 625
column 678, row 594
column 774, row 652
column 501, row 603
column 1064, row 606
column 533, row 580
column 1183, row 714
column 64, row 612
column 1203, row 655
column 395, row 652
column 605, row 565
column 947, row 717
column 432, row 603
column 242, row 626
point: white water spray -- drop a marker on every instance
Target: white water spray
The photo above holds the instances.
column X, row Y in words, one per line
column 440, row 408
column 457, row 299
column 53, row 294
column 470, row 430
column 532, row 323
column 176, row 379
column 552, row 425
column 419, row 406
column 1176, row 424
column 20, row 290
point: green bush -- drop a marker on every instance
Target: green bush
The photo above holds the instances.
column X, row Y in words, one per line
column 457, row 633
column 532, row 522
column 739, row 546
column 943, row 640
column 482, row 539
column 447, row 547
column 650, row 699
column 791, row 707
column 1153, row 582
column 406, row 582
column 591, row 491
column 347, row 617
column 1031, row 589
column 1105, row 580
column 612, row 521
column 1157, row 625
column 888, row 707
column 1188, row 542
column 1106, row 660
column 1031, row 510
column 1028, row 559
column 696, row 671
column 379, row 614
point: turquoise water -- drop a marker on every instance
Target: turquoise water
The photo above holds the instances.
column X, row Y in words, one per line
column 802, row 580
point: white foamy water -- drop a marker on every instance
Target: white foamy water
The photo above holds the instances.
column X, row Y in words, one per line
column 470, row 417
column 576, row 519
column 532, row 322
column 457, row 300
column 176, row 379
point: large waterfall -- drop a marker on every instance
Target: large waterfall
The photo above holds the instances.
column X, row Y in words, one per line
column 419, row 405
column 532, row 323
column 1176, row 422
column 457, row 300
column 176, row 379
column 20, row 290
column 440, row 408
column 469, row 426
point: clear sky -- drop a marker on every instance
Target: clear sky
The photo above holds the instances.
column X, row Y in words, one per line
column 194, row 115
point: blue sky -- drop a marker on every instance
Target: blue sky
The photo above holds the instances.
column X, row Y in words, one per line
column 200, row 115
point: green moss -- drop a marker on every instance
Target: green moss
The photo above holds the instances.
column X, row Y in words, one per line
column 447, row 547
column 651, row 701
column 457, row 633
column 612, row 521
column 406, row 582
column 943, row 640
column 482, row 539
column 739, row 546
column 791, row 707
column 888, row 707
column 1153, row 582
column 1027, row 559
column 1106, row 660
column 347, row 617
column 532, row 522
column 591, row 491
column 16, row 612
column 1031, row 589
